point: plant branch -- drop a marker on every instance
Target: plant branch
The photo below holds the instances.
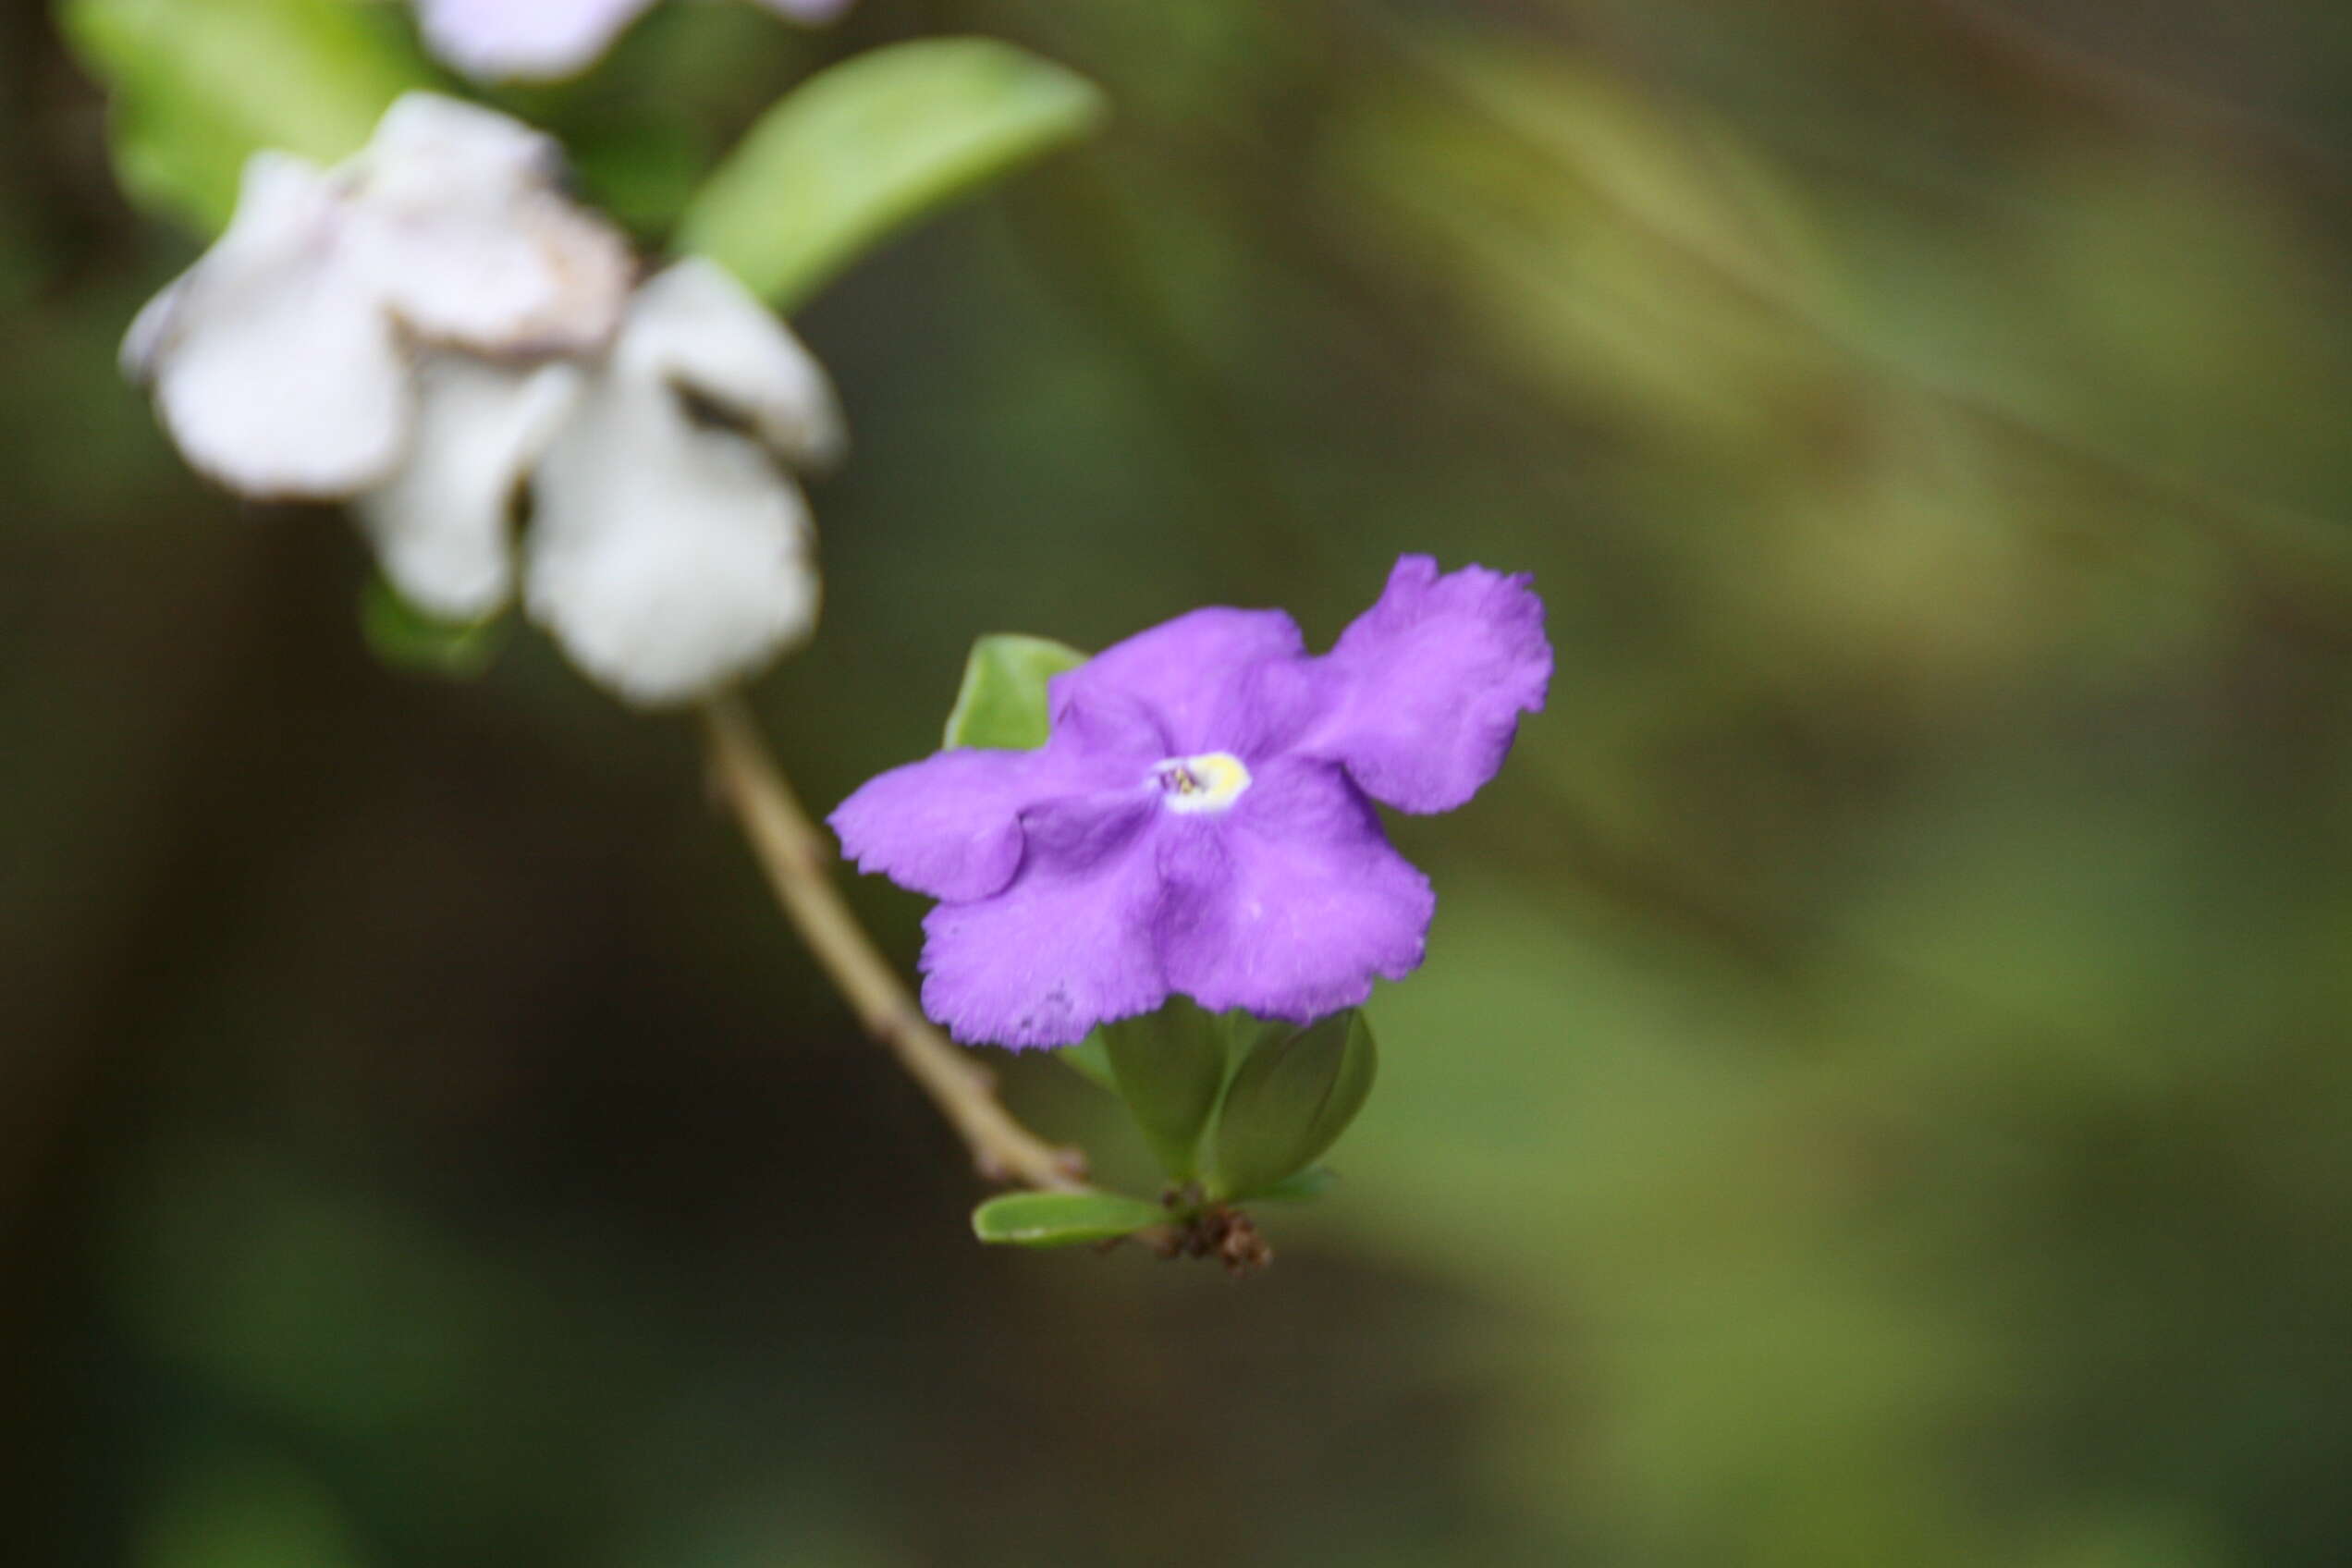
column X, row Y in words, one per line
column 797, row 858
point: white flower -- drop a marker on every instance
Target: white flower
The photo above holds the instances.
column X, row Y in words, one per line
column 427, row 328
column 496, row 40
column 282, row 361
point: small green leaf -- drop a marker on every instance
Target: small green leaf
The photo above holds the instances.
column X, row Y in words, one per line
column 1293, row 1098
column 871, row 145
column 1170, row 1068
column 1062, row 1219
column 1090, row 1061
column 198, row 86
column 1001, row 704
column 1303, row 1187
column 406, row 638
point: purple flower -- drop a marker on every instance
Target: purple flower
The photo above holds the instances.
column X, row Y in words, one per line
column 1200, row 821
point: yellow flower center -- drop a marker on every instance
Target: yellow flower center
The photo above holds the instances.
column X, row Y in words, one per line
column 1210, row 781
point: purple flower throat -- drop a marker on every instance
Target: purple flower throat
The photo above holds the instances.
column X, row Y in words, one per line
column 1200, row 820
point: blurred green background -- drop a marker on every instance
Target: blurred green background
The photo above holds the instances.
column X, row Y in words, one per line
column 1878, row 1092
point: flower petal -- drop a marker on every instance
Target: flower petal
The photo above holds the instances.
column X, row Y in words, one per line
column 949, row 825
column 667, row 556
column 458, row 218
column 705, row 330
column 1290, row 903
column 1432, row 681
column 151, row 331
column 275, row 370
column 440, row 525
column 667, row 560
column 1197, row 675
column 500, row 39
column 952, row 825
column 1067, row 945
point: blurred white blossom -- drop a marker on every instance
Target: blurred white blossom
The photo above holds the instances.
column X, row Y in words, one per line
column 282, row 361
column 503, row 40
column 669, row 550
column 432, row 326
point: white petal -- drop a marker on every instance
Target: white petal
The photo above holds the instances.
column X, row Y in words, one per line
column 303, row 395
column 667, row 558
column 275, row 369
column 434, row 141
column 440, row 525
column 695, row 326
column 459, row 219
column 150, row 329
column 495, row 40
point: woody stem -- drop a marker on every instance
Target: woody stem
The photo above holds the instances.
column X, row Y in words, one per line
column 796, row 859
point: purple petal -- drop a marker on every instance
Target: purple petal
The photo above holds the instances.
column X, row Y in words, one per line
column 1211, row 679
column 952, row 825
column 1432, row 680
column 1106, row 732
column 1067, row 945
column 949, row 825
column 1290, row 903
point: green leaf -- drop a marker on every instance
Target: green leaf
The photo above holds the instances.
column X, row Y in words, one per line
column 1002, row 700
column 198, row 86
column 406, row 638
column 1305, row 1187
column 1090, row 1061
column 871, row 145
column 1062, row 1219
column 1293, row 1098
column 1170, row 1068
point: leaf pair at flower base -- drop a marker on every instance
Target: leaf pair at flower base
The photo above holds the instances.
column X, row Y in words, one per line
column 1264, row 1100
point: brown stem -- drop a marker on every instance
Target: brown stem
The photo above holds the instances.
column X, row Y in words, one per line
column 798, row 859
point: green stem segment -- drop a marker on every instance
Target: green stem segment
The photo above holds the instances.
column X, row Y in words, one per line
column 796, row 859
